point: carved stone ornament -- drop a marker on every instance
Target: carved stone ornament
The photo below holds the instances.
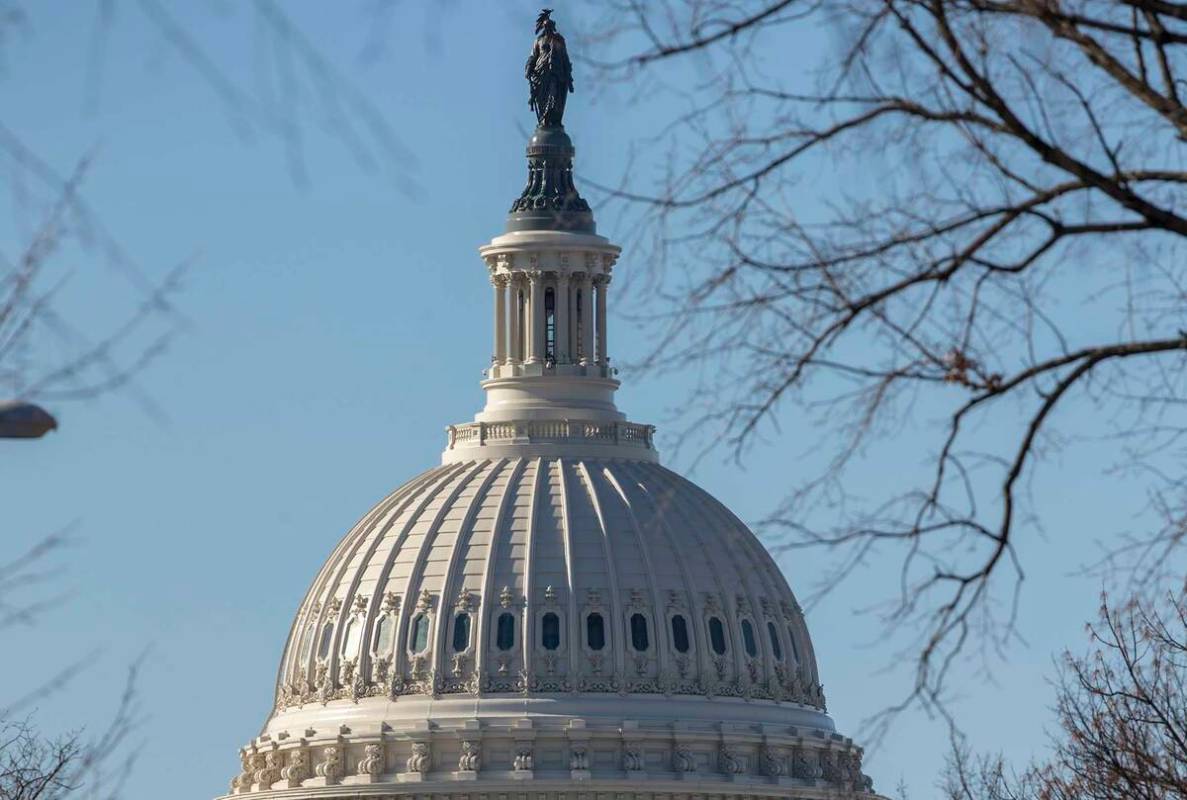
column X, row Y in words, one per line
column 522, row 761
column 506, row 598
column 683, row 759
column 426, row 600
column 578, row 757
column 772, row 762
column 297, row 769
column 421, row 759
column 803, row 765
column 465, row 600
column 330, row 766
column 470, row 757
column 242, row 781
column 372, row 761
column 632, row 757
column 391, row 602
column 732, row 762
column 269, row 773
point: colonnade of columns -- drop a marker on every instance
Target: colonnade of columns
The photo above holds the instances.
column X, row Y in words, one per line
column 550, row 318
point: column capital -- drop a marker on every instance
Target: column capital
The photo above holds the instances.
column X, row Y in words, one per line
column 535, row 274
column 500, row 280
column 602, row 279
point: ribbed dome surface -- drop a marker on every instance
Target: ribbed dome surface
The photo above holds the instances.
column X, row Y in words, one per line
column 542, row 575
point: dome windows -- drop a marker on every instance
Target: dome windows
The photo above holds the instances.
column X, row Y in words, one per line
column 776, row 648
column 639, row 638
column 748, row 640
column 505, row 631
column 307, row 644
column 382, row 642
column 795, row 651
column 717, row 635
column 418, row 634
column 352, row 637
column 461, row 632
column 680, row 634
column 550, row 631
column 327, row 640
column 595, row 631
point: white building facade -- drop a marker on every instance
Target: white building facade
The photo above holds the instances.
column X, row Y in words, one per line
column 550, row 613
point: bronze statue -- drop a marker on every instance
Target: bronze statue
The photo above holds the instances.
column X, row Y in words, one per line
column 549, row 73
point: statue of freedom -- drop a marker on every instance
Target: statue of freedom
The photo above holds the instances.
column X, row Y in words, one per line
column 549, row 73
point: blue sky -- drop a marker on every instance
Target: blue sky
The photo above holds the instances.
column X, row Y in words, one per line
column 336, row 319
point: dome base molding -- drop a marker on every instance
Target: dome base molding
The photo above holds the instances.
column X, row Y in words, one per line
column 557, row 758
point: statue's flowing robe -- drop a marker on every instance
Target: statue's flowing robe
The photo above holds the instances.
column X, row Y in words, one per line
column 550, row 75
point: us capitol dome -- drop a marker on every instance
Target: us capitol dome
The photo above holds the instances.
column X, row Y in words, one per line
column 550, row 613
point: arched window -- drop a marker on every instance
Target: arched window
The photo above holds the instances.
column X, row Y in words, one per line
column 327, row 639
column 418, row 634
column 350, row 639
column 382, row 642
column 595, row 631
column 795, row 651
column 639, row 639
column 461, row 632
column 717, row 636
column 776, row 648
column 679, row 634
column 550, row 324
column 505, row 635
column 550, row 631
column 748, row 638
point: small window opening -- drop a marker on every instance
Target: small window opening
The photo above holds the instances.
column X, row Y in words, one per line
column 307, row 643
column 550, row 325
column 717, row 636
column 595, row 631
column 383, row 635
column 350, row 639
column 578, row 319
column 639, row 639
column 795, row 651
column 776, row 648
column 679, row 634
column 418, row 634
column 327, row 638
column 461, row 632
column 550, row 631
column 748, row 639
column 505, row 635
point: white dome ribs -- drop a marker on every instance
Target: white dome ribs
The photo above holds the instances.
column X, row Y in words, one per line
column 535, row 536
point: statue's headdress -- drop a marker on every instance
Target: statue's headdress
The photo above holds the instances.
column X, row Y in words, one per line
column 544, row 21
